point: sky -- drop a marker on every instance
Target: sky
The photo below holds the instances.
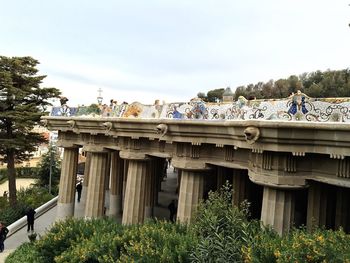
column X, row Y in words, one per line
column 172, row 49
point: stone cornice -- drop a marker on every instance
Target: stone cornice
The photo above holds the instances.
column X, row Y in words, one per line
column 299, row 138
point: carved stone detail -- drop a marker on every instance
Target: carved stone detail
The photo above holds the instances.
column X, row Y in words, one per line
column 162, row 129
column 252, row 134
column 343, row 170
column 229, row 153
column 71, row 124
column 267, row 161
column 336, row 156
column 298, row 153
column 108, row 126
column 290, row 164
column 135, row 144
column 195, row 151
column 179, row 149
column 254, row 150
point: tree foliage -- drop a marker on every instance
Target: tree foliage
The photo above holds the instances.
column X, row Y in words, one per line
column 222, row 229
column 51, row 158
column 22, row 103
column 212, row 95
column 318, row 84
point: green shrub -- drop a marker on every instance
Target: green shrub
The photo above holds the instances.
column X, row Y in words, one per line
column 34, row 196
column 30, row 197
column 104, row 240
column 158, row 241
column 3, row 203
column 24, row 253
column 222, row 229
column 21, row 172
column 11, row 214
column 219, row 233
column 300, row 246
column 64, row 235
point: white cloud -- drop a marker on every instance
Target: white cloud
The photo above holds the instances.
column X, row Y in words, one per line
column 171, row 50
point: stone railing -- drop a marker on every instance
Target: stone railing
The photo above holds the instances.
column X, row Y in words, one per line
column 22, row 222
column 297, row 107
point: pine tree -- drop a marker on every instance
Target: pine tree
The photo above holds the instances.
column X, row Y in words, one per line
column 22, row 103
column 49, row 159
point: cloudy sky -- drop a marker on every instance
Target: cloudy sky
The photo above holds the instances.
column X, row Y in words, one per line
column 172, row 49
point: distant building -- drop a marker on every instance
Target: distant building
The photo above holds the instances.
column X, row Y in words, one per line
column 227, row 96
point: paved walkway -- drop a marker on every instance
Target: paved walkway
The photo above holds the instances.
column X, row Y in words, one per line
column 45, row 221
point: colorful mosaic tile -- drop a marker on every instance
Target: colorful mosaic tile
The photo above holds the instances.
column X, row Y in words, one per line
column 297, row 107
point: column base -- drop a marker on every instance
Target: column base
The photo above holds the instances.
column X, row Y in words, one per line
column 64, row 210
column 148, row 211
column 115, row 207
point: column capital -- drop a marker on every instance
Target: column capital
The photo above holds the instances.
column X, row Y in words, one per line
column 134, row 155
column 95, row 148
column 189, row 164
column 67, row 144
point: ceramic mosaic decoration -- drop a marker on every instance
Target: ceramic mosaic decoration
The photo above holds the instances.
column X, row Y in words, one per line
column 297, row 107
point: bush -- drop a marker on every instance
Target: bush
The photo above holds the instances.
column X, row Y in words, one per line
column 222, row 229
column 34, row 196
column 11, row 214
column 219, row 233
column 21, row 172
column 65, row 236
column 24, row 253
column 300, row 246
column 104, row 240
column 29, row 197
column 158, row 241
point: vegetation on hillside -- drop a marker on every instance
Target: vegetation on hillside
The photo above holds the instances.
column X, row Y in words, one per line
column 318, row 84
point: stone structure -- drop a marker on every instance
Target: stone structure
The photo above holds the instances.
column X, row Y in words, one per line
column 292, row 172
column 228, row 95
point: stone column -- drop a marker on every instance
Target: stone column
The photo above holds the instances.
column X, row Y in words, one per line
column 178, row 171
column 220, row 177
column 191, row 192
column 342, row 214
column 316, row 207
column 158, row 178
column 134, row 204
column 108, row 172
column 240, row 187
column 278, row 209
column 154, row 183
column 66, row 195
column 86, row 178
column 96, row 189
column 149, row 188
column 116, row 191
column 125, row 177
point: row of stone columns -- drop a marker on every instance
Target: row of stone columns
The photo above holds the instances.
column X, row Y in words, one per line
column 142, row 186
column 134, row 186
